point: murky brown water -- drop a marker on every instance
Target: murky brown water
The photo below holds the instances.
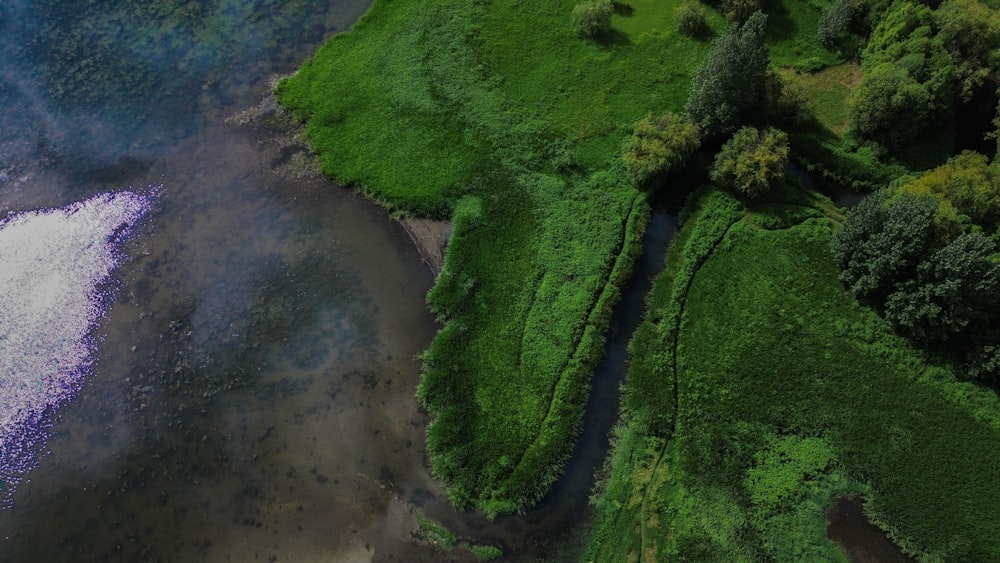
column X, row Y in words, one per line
column 862, row 542
column 252, row 398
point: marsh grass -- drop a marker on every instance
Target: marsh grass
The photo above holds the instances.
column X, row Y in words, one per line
column 788, row 393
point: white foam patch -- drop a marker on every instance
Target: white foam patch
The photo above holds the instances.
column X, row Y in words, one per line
column 53, row 264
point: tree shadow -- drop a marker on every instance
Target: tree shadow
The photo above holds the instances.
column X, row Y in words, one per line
column 780, row 24
column 613, row 38
column 623, row 9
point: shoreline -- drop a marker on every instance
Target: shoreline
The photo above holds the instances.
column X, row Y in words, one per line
column 430, row 237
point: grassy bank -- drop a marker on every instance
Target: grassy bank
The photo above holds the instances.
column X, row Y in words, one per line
column 498, row 115
column 782, row 392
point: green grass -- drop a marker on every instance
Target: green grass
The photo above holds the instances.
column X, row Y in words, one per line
column 825, row 93
column 791, row 34
column 789, row 392
column 496, row 114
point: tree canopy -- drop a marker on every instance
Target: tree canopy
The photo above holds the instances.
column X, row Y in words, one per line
column 658, row 145
column 751, row 160
column 731, row 78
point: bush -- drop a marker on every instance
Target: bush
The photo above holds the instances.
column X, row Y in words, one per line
column 690, row 17
column 751, row 160
column 486, row 552
column 659, row 145
column 592, row 18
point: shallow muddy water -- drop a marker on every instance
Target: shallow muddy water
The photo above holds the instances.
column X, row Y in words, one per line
column 862, row 542
column 249, row 393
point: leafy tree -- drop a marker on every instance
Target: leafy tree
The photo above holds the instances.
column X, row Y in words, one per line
column 592, row 18
column 955, row 290
column 740, row 11
column 658, row 145
column 967, row 188
column 751, row 160
column 690, row 17
column 835, row 23
column 730, row 80
column 882, row 242
column 908, row 77
column 970, row 31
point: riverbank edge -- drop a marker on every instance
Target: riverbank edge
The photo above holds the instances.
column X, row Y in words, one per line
column 541, row 464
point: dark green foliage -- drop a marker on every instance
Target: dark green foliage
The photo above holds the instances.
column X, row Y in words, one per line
column 751, row 160
column 882, row 242
column 659, row 145
column 730, row 79
column 983, row 361
column 970, row 31
column 592, row 18
column 691, row 20
column 956, row 290
column 908, row 80
column 739, row 11
column 834, row 26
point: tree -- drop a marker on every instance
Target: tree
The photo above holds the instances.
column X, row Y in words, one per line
column 740, row 11
column 970, row 31
column 592, row 18
column 908, row 77
column 881, row 243
column 658, row 145
column 889, row 105
column 751, row 160
column 730, row 79
column 967, row 188
column 833, row 27
column 955, row 291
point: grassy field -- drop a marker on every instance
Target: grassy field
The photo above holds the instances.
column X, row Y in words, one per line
column 784, row 392
column 497, row 115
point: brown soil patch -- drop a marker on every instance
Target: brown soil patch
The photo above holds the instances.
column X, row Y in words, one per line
column 430, row 238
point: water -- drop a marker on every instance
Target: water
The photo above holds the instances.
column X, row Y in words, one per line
column 242, row 382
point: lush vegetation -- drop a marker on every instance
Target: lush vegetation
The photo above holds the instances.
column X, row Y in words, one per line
column 502, row 117
column 920, row 253
column 760, row 388
column 759, row 385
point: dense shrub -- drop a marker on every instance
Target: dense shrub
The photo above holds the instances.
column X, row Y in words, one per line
column 592, row 18
column 690, row 17
column 751, row 160
column 730, row 79
column 659, row 145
